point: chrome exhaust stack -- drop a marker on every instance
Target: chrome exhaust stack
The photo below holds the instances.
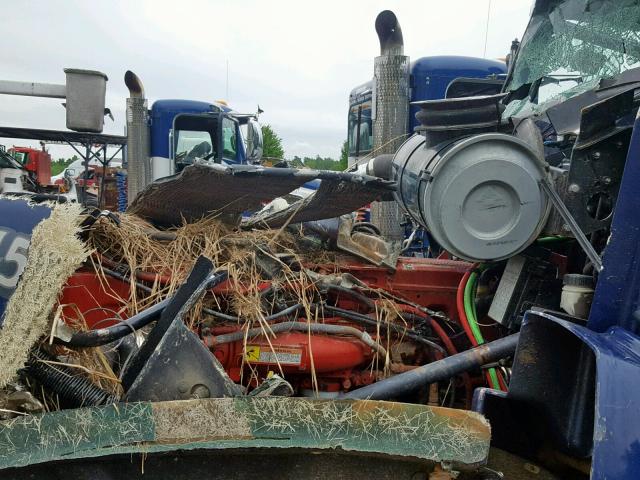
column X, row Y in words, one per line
column 390, row 111
column 139, row 173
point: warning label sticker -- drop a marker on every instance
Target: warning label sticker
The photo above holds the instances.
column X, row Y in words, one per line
column 266, row 354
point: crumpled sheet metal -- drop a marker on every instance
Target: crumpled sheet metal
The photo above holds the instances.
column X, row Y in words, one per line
column 336, row 196
column 212, row 189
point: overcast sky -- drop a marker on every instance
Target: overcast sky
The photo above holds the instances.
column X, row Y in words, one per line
column 298, row 59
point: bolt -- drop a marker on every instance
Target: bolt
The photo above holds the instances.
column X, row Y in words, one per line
column 200, row 391
column 606, row 180
column 595, row 155
column 574, row 188
column 566, row 228
column 183, row 387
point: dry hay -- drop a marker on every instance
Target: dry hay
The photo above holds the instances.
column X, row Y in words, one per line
column 135, row 245
column 164, row 259
column 54, row 254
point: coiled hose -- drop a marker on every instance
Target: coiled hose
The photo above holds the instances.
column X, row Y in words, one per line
column 72, row 390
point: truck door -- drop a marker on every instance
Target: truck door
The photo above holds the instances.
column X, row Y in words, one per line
column 230, row 140
column 195, row 137
column 213, row 137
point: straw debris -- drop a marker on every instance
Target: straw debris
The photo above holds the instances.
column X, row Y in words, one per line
column 54, row 254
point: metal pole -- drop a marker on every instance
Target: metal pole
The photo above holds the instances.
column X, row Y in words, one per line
column 105, row 163
column 32, row 89
column 572, row 224
column 438, row 371
column 86, row 173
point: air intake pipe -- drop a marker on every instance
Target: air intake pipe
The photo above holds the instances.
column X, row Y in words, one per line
column 390, row 111
column 139, row 173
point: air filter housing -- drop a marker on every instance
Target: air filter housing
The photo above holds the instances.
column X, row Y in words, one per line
column 479, row 195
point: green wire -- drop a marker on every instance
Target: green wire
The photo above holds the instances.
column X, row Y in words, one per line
column 555, row 238
column 470, row 311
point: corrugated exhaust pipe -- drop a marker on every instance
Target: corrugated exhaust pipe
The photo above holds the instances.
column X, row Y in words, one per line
column 390, row 111
column 139, row 173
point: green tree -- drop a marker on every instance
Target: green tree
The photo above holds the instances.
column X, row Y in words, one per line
column 57, row 166
column 344, row 155
column 272, row 144
column 319, row 163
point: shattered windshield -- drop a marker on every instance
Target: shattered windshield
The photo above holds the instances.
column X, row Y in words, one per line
column 569, row 46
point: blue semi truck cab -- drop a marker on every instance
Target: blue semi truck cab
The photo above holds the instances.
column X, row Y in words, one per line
column 430, row 78
column 183, row 130
column 173, row 133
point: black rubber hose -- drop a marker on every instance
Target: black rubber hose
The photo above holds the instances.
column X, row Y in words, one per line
column 268, row 318
column 363, row 299
column 303, row 327
column 409, row 382
column 124, row 278
column 102, row 336
column 72, row 390
column 363, row 319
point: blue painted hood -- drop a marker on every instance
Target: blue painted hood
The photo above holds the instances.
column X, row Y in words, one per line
column 17, row 221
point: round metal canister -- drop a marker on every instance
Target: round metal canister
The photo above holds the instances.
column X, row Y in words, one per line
column 479, row 196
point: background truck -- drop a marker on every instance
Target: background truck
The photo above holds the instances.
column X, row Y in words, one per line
column 25, row 168
column 161, row 140
column 431, row 78
column 173, row 133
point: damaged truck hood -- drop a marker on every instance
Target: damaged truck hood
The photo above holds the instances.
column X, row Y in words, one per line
column 202, row 190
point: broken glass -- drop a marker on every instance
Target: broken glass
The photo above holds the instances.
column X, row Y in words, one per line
column 569, row 46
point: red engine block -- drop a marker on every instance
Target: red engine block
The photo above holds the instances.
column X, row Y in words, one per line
column 339, row 362
column 431, row 283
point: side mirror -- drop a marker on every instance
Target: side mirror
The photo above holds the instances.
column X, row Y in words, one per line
column 254, row 141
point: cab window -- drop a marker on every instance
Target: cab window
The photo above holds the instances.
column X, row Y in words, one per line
column 360, row 129
column 229, row 145
column 194, row 137
column 366, row 130
column 193, row 144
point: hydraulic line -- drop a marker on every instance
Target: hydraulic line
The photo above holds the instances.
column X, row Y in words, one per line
column 461, row 310
column 363, row 299
column 357, row 317
column 462, row 313
column 553, row 239
column 139, row 274
column 451, row 349
column 302, row 327
column 440, row 370
column 268, row 318
column 470, row 311
column 102, row 336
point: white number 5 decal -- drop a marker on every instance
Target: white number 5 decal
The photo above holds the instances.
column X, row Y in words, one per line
column 13, row 258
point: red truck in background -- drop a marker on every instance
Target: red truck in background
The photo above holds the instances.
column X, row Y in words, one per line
column 37, row 163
